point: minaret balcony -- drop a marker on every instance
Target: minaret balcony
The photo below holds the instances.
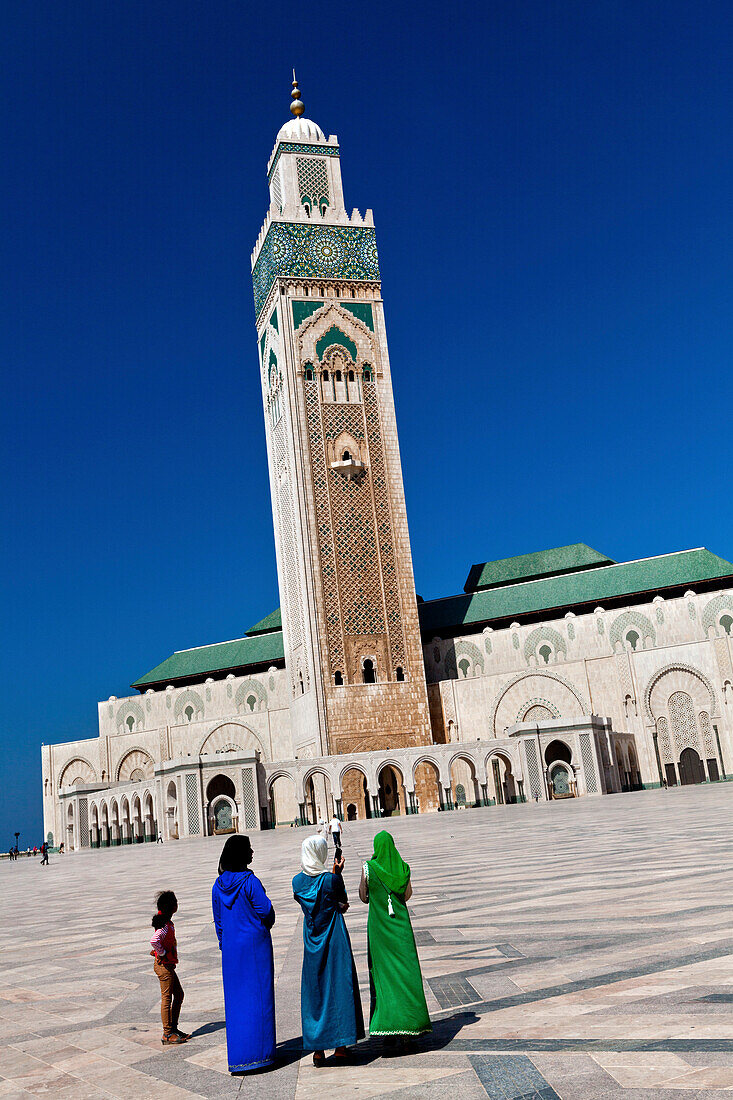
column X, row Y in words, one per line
column 350, row 468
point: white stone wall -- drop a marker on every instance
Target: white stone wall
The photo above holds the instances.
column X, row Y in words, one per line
column 587, row 664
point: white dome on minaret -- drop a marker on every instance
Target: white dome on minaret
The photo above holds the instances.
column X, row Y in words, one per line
column 299, row 128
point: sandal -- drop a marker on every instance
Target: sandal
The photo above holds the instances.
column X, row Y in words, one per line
column 174, row 1039
column 318, row 1058
column 182, row 1035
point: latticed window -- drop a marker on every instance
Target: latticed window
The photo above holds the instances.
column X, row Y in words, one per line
column 313, row 183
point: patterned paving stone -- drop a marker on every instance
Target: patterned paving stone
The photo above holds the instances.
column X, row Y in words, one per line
column 585, row 948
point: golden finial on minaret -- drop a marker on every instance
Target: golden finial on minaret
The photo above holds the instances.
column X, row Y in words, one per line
column 297, row 106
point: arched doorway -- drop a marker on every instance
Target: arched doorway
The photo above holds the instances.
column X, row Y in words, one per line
column 427, row 787
column 171, row 810
column 94, row 833
column 125, row 826
column 501, row 779
column 283, row 802
column 560, row 774
column 318, row 798
column 70, row 828
column 354, row 792
column 463, row 776
column 137, row 820
column 222, row 807
column 115, row 836
column 149, row 816
column 692, row 769
column 392, row 800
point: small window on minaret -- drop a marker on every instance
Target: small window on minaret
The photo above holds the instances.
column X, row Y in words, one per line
column 300, row 682
column 325, row 376
column 338, row 375
column 351, row 376
column 346, row 456
column 399, row 674
column 338, row 679
column 367, row 670
column 308, row 374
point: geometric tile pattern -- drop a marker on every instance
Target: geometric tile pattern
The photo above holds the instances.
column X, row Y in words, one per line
column 593, row 936
column 312, row 251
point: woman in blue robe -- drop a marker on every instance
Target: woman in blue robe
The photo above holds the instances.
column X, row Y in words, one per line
column 243, row 915
column 330, row 1005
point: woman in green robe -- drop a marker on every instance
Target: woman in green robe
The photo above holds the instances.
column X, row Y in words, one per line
column 398, row 1007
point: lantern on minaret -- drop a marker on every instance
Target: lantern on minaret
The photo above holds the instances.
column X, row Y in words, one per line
column 349, row 611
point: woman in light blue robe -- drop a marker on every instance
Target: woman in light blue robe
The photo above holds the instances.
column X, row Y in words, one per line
column 330, row 1004
column 243, row 916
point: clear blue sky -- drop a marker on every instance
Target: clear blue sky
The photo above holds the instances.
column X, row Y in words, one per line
column 551, row 184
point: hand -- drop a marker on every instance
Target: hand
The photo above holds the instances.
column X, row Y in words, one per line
column 152, row 952
column 338, row 866
column 343, row 906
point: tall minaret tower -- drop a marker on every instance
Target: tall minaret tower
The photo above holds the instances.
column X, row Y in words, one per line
column 352, row 639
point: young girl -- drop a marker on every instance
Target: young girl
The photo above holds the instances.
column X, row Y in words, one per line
column 163, row 943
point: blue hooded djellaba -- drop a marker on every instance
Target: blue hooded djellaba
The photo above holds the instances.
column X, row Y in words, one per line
column 330, row 1004
column 243, row 915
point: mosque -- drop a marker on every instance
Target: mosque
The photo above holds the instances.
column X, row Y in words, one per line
column 556, row 674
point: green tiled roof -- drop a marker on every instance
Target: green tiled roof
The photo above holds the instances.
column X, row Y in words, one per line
column 262, row 649
column 590, row 586
column 271, row 622
column 544, row 563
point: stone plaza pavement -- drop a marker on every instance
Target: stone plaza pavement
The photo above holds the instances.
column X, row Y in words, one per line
column 575, row 950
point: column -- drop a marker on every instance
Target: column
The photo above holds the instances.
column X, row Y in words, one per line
column 376, row 812
column 448, row 803
column 338, row 803
column 484, row 794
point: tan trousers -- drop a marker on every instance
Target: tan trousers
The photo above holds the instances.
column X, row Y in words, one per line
column 171, row 995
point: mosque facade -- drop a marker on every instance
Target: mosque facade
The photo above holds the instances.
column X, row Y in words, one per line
column 556, row 674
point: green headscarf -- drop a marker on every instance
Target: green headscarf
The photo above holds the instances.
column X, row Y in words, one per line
column 388, row 865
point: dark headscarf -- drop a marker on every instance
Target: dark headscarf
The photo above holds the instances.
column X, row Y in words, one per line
column 236, row 855
column 388, row 864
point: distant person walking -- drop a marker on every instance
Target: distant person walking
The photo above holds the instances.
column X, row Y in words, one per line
column 165, row 951
column 334, row 828
column 398, row 1007
column 44, row 854
column 330, row 1005
column 243, row 915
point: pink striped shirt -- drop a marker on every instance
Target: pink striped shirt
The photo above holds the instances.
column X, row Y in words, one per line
column 163, row 944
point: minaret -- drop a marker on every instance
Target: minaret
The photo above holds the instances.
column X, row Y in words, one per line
column 352, row 639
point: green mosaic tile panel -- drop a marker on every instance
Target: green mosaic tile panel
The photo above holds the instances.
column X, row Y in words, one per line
column 273, row 321
column 299, row 147
column 335, row 336
column 314, row 252
column 362, row 310
column 303, row 310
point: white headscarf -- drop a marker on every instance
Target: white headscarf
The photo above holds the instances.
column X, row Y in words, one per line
column 313, row 853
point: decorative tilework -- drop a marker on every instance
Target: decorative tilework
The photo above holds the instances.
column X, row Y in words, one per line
column 586, row 753
column 629, row 620
column 335, row 336
column 250, row 802
column 313, row 181
column 192, row 804
column 312, row 251
column 707, row 735
column 713, row 609
column 296, row 147
column 302, row 310
column 83, row 823
column 274, row 322
column 533, row 768
column 544, row 634
column 362, row 311
column 682, row 715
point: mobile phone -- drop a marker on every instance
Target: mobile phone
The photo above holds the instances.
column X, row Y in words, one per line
column 338, row 854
